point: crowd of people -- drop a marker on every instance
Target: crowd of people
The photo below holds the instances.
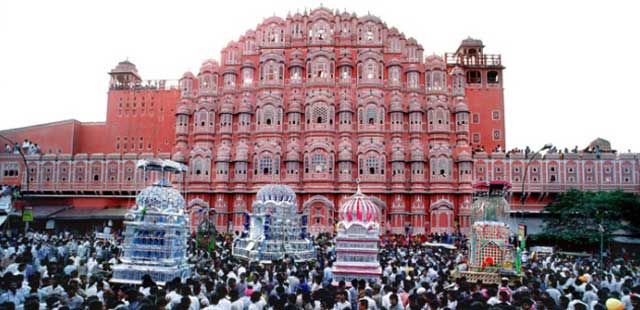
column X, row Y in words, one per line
column 72, row 271
column 27, row 148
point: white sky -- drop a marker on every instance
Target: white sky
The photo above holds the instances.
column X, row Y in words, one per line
column 571, row 66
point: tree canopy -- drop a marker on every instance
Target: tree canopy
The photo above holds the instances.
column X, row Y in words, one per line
column 576, row 215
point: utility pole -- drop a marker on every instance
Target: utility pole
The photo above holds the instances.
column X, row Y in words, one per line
column 26, row 170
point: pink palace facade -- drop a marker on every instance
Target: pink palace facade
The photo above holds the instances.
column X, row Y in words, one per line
column 316, row 101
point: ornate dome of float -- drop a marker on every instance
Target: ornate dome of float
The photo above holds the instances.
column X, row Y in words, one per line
column 493, row 207
column 277, row 193
column 160, row 197
column 359, row 208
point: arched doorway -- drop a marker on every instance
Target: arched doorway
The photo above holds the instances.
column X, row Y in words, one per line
column 442, row 216
column 320, row 216
column 197, row 209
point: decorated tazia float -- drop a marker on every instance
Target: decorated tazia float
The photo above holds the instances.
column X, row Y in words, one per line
column 274, row 229
column 157, row 231
column 358, row 234
column 491, row 254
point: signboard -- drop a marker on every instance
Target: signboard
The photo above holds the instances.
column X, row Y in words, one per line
column 522, row 231
column 51, row 224
column 27, row 214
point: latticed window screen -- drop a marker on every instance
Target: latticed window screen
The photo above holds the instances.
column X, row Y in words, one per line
column 320, row 114
column 266, row 165
column 371, row 114
column 268, row 115
column 372, row 164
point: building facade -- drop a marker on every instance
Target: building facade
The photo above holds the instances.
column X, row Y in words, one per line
column 313, row 101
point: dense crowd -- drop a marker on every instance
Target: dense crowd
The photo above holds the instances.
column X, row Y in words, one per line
column 72, row 271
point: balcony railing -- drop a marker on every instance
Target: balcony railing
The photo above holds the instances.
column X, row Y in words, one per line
column 473, row 60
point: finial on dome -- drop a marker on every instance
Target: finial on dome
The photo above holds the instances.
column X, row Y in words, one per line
column 358, row 191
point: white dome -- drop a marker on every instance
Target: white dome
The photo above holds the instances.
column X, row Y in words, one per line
column 276, row 192
column 161, row 197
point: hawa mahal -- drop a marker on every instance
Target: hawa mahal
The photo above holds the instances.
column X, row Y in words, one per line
column 316, row 101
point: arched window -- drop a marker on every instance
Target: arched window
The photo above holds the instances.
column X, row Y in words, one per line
column 371, row 114
column 439, row 116
column 320, row 31
column 373, row 165
column 272, row 71
column 412, row 79
column 319, row 163
column 394, row 75
column 268, row 116
column 320, row 114
column 247, row 76
column 266, row 165
column 201, row 118
column 370, row 70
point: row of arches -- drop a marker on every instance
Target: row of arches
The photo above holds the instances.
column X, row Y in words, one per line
column 322, row 113
column 323, row 164
column 322, row 214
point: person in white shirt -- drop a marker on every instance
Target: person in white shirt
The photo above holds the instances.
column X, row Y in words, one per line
column 341, row 301
column 236, row 302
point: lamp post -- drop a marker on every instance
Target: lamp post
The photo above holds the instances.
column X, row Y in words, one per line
column 522, row 243
column 26, row 169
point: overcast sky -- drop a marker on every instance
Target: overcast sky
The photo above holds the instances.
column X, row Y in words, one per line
column 572, row 71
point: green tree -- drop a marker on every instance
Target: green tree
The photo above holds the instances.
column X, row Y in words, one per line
column 576, row 216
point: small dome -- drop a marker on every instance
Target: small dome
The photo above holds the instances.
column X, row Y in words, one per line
column 394, row 62
column 345, row 106
column 245, row 107
column 229, row 70
column 160, row 197
column 464, row 156
column 242, row 152
column 457, row 71
column 469, row 41
column 209, row 66
column 188, row 75
column 601, row 144
column 434, row 62
column 397, row 155
column 125, row 66
column 359, row 208
column 227, row 107
column 276, row 192
column 224, row 153
column 248, row 64
column 413, row 68
column 396, row 106
column 294, row 106
column 345, row 155
column 293, row 155
column 345, row 61
column 179, row 157
column 461, row 107
column 417, row 154
column 414, row 106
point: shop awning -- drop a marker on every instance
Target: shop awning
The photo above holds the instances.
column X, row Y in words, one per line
column 43, row 212
column 81, row 213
